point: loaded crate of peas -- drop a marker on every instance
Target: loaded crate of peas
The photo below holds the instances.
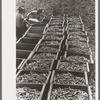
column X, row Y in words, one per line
column 33, row 77
column 76, row 27
column 53, row 37
column 76, row 37
column 80, row 33
column 58, row 16
column 55, row 28
column 77, row 43
column 74, row 22
column 55, row 31
column 56, row 24
column 44, row 55
column 76, row 17
column 78, row 50
column 73, row 19
column 69, row 78
column 55, row 21
column 51, row 48
column 69, row 92
column 79, row 58
column 50, row 42
column 70, row 22
column 30, row 92
column 65, row 65
column 38, row 64
column 48, row 48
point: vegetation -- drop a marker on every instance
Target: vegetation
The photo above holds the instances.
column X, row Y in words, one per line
column 80, row 7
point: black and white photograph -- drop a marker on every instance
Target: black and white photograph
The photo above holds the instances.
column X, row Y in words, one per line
column 54, row 50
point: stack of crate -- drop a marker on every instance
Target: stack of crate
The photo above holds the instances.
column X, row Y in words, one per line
column 57, row 68
column 33, row 75
column 35, row 72
column 70, row 79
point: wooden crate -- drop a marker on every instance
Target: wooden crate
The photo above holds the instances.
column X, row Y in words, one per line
column 62, row 61
column 67, row 54
column 56, row 37
column 82, row 33
column 83, row 88
column 42, row 42
column 28, row 61
column 39, row 87
column 77, row 74
column 57, row 47
column 22, row 72
column 79, row 43
column 77, row 52
column 81, row 36
column 54, row 53
column 58, row 16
